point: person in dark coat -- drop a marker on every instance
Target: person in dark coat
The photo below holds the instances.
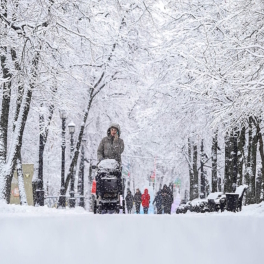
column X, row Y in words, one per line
column 112, row 146
column 137, row 200
column 158, row 201
column 129, row 201
column 145, row 199
column 167, row 199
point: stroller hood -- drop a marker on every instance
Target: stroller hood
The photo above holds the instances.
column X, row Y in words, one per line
column 108, row 165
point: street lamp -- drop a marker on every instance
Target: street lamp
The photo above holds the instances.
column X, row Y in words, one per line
column 71, row 127
column 62, row 200
column 81, row 174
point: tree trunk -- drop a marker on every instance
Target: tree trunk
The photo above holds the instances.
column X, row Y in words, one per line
column 202, row 193
column 6, row 94
column 250, row 176
column 254, row 166
column 43, row 136
column 20, row 92
column 241, row 155
column 195, row 172
column 214, row 162
column 4, row 118
column 261, row 173
column 40, row 190
column 248, row 173
column 259, row 187
column 190, row 169
column 228, row 165
column 234, row 157
column 219, row 184
column 81, row 179
column 21, row 186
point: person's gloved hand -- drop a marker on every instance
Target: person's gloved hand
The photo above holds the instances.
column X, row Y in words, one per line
column 116, row 137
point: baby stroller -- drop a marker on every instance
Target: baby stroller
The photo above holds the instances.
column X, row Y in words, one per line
column 109, row 187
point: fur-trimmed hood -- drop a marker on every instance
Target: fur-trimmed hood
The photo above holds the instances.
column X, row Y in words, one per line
column 115, row 125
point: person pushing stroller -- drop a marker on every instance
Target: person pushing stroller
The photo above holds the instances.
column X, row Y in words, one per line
column 111, row 146
column 109, row 185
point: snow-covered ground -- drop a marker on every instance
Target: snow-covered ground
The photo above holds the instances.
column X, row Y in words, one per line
column 44, row 235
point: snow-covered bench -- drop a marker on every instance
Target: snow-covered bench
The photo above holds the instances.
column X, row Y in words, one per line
column 214, row 201
column 240, row 190
column 234, row 200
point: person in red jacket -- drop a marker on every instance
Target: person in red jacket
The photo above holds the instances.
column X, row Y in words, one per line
column 145, row 198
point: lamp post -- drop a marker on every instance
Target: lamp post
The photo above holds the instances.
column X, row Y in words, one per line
column 81, row 174
column 71, row 127
column 62, row 200
column 40, row 190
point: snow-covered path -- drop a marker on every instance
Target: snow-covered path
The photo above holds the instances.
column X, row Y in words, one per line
column 42, row 235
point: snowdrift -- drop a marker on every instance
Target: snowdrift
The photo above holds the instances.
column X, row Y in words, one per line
column 43, row 235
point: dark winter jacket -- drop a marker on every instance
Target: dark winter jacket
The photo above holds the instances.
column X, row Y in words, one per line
column 158, row 199
column 129, row 200
column 137, row 197
column 167, row 197
column 110, row 148
column 145, row 198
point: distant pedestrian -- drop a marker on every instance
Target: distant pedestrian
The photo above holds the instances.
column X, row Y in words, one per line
column 167, row 199
column 145, row 198
column 129, row 201
column 137, row 200
column 158, row 201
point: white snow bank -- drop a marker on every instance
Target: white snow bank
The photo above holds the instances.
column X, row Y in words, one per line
column 29, row 211
column 214, row 195
column 47, row 236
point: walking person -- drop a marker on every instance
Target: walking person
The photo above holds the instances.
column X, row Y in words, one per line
column 129, row 201
column 137, row 200
column 145, row 198
column 158, row 201
column 167, row 199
